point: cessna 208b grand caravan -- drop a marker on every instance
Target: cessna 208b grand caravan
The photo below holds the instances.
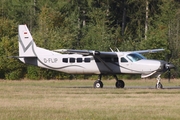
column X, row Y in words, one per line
column 90, row 61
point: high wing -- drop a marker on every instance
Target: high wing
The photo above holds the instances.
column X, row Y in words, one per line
column 86, row 52
column 102, row 53
column 96, row 54
column 148, row 51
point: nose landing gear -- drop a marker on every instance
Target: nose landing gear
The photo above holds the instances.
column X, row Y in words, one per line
column 158, row 84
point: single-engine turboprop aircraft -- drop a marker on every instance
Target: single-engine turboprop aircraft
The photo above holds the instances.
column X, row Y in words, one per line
column 91, row 61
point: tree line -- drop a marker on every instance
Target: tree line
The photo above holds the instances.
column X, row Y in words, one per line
column 88, row 24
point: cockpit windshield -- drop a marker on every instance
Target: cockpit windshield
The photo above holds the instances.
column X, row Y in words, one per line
column 135, row 57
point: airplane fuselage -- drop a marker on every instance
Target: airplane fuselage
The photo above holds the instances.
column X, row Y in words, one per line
column 79, row 64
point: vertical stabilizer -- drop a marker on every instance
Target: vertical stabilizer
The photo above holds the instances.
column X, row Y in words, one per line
column 26, row 43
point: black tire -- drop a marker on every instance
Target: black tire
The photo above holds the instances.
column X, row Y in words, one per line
column 98, row 84
column 159, row 86
column 120, row 84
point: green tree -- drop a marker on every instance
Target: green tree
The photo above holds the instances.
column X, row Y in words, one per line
column 88, row 24
column 9, row 68
column 163, row 32
column 97, row 34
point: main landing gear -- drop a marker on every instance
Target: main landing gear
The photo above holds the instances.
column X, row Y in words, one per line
column 118, row 84
column 158, row 84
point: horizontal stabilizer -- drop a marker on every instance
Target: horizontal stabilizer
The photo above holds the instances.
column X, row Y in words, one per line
column 22, row 57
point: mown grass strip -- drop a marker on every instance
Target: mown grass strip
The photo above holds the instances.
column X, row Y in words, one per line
column 34, row 100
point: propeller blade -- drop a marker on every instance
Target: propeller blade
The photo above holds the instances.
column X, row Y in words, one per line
column 169, row 66
column 169, row 75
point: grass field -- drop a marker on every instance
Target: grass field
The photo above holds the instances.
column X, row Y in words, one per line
column 77, row 100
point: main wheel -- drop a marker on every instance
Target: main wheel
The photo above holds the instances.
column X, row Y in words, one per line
column 120, row 84
column 159, row 86
column 98, row 84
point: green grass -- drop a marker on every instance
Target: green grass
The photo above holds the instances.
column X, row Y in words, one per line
column 71, row 100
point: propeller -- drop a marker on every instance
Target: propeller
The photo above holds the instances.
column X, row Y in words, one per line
column 169, row 66
column 169, row 74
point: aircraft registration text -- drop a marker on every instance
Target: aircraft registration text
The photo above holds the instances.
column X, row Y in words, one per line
column 50, row 60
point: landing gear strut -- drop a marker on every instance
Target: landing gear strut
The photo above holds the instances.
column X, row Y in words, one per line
column 158, row 84
column 99, row 84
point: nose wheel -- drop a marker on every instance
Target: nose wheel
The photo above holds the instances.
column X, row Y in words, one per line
column 158, row 84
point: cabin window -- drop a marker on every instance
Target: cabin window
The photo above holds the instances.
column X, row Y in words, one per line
column 87, row 59
column 123, row 59
column 65, row 60
column 72, row 60
column 79, row 60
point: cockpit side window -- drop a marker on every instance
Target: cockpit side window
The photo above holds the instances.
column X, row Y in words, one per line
column 123, row 59
column 135, row 57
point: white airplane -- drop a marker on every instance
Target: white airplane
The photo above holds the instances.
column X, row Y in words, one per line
column 91, row 61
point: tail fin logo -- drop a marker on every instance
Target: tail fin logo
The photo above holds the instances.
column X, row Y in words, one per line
column 23, row 46
column 25, row 35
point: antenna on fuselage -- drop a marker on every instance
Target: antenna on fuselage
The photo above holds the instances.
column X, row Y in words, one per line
column 117, row 50
column 111, row 50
